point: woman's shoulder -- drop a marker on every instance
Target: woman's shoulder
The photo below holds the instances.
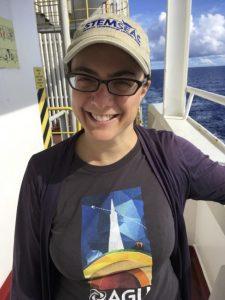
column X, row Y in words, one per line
column 165, row 142
column 155, row 135
column 56, row 156
column 54, row 151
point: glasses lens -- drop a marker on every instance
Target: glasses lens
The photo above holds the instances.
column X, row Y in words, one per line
column 83, row 83
column 123, row 87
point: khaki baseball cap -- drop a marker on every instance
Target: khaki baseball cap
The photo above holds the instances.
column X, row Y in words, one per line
column 113, row 29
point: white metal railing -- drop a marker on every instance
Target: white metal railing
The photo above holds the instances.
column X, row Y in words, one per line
column 216, row 98
column 203, row 94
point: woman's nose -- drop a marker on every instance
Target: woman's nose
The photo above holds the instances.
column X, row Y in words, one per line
column 102, row 97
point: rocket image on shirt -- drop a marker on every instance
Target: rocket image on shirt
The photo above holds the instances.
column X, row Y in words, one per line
column 116, row 251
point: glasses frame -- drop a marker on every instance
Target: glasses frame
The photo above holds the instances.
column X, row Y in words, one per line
column 106, row 82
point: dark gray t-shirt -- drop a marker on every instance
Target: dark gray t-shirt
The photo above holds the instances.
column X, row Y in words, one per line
column 113, row 233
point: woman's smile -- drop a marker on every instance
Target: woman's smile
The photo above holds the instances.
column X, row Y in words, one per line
column 102, row 118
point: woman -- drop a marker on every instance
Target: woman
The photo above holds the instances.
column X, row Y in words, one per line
column 100, row 215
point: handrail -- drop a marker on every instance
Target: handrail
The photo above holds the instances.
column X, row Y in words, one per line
column 207, row 95
column 216, row 98
column 60, row 108
column 63, row 132
column 59, row 112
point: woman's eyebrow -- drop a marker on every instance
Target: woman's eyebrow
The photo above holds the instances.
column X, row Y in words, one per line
column 123, row 73
column 86, row 70
column 116, row 74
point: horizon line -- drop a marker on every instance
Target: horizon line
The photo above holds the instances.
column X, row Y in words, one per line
column 192, row 67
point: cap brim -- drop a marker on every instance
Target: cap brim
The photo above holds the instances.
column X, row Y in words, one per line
column 106, row 40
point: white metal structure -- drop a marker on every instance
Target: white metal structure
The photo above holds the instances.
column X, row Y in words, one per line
column 204, row 220
column 176, row 60
column 54, row 39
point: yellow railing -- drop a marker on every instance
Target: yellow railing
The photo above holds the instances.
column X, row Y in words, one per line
column 61, row 108
column 53, row 108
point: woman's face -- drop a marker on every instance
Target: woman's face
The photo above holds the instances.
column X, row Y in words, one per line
column 105, row 116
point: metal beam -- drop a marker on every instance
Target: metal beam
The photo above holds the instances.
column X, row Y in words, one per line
column 65, row 23
column 87, row 9
column 67, row 41
column 176, row 59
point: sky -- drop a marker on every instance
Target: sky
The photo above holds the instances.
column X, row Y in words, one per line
column 207, row 40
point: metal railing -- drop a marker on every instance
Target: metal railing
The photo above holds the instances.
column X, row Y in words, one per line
column 216, row 98
column 60, row 122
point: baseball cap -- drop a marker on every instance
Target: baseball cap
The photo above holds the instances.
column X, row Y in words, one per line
column 113, row 29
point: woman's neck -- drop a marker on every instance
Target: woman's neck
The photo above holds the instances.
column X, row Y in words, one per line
column 101, row 153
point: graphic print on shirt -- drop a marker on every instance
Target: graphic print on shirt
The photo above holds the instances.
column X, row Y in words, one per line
column 116, row 251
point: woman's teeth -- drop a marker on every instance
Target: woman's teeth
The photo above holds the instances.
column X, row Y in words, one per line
column 102, row 118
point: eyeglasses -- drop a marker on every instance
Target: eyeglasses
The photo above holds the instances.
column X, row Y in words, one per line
column 117, row 86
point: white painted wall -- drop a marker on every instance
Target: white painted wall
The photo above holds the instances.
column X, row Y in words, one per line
column 205, row 221
column 21, row 134
column 209, row 242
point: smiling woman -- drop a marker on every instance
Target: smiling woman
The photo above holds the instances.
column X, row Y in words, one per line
column 105, row 115
column 100, row 215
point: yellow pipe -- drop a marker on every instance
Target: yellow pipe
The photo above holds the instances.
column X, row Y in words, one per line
column 63, row 132
column 48, row 138
column 78, row 125
column 60, row 108
column 107, row 6
column 87, row 9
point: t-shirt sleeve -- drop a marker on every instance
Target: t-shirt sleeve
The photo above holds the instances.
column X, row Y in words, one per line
column 206, row 177
column 26, row 274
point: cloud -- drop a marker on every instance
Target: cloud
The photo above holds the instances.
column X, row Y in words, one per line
column 162, row 16
column 206, row 61
column 144, row 21
column 214, row 9
column 207, row 37
column 138, row 18
column 156, row 33
column 213, row 60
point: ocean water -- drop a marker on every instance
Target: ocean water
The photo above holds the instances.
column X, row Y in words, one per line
column 207, row 113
